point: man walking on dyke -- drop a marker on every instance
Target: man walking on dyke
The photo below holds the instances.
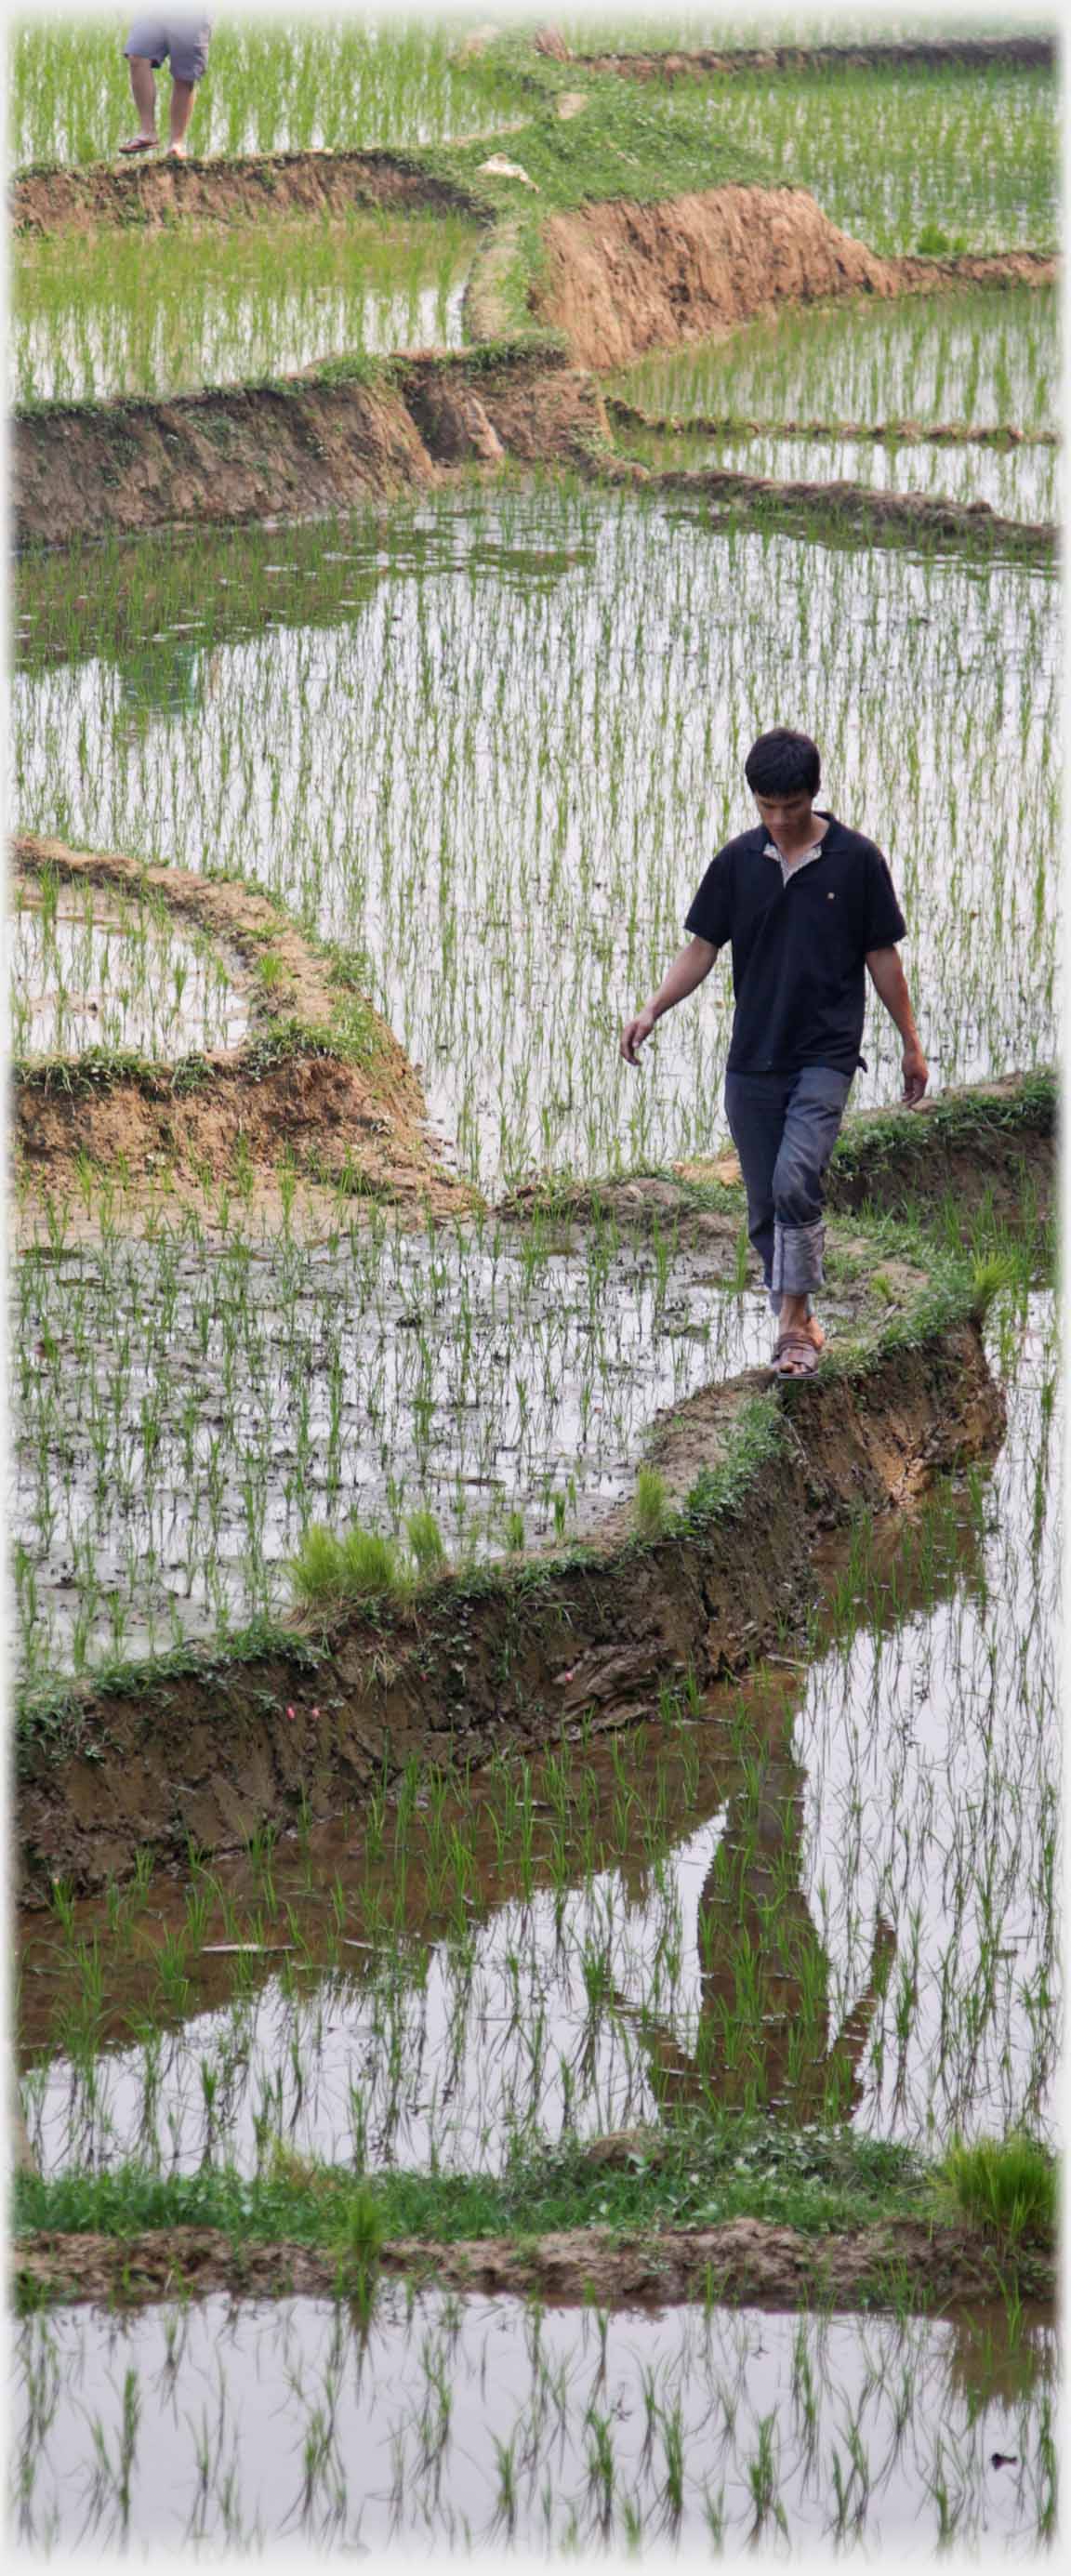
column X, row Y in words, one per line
column 806, row 904
column 184, row 43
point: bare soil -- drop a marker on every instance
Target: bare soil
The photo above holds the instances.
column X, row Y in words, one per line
column 249, row 189
column 748, row 2261
column 971, row 53
column 220, row 1745
column 622, row 279
column 304, row 448
column 254, row 1108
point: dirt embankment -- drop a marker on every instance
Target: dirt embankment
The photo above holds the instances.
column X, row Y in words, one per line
column 748, row 2261
column 890, row 433
column 291, row 1094
column 978, row 53
column 621, row 279
column 304, row 448
column 216, row 1748
column 914, row 517
column 249, row 189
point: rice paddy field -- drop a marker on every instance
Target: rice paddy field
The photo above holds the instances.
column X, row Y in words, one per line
column 443, row 738
column 153, row 316
column 640, row 2133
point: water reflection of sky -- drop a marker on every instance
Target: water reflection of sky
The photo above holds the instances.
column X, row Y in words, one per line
column 909, row 1802
column 503, row 766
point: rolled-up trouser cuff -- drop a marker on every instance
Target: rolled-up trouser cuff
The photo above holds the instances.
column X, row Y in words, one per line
column 797, row 1258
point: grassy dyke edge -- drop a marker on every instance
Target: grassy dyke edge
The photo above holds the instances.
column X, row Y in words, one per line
column 54, row 1719
column 704, row 2172
column 353, row 1033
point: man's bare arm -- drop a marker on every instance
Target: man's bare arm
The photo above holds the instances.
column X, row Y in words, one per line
column 890, row 984
column 689, row 967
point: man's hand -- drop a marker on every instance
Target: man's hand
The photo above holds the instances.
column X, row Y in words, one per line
column 916, row 1075
column 633, row 1037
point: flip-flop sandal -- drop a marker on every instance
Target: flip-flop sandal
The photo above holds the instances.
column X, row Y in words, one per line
column 138, row 143
column 795, row 1355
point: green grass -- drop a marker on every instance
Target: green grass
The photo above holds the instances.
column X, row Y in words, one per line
column 329, row 1569
column 698, row 2174
column 1009, row 2185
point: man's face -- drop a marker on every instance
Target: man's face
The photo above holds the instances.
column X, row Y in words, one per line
column 785, row 816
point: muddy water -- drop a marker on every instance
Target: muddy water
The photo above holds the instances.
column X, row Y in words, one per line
column 165, row 1472
column 468, row 2423
column 829, row 1893
column 96, row 972
column 494, row 741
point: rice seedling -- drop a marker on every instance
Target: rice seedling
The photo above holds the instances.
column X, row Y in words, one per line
column 1008, row 2184
column 598, row 2430
column 156, row 314
column 988, row 359
column 265, row 90
column 421, row 1389
column 547, row 918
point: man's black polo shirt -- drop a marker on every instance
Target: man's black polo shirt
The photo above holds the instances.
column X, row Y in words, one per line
column 798, row 948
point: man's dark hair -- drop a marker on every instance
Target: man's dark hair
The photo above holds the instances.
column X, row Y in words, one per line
column 783, row 763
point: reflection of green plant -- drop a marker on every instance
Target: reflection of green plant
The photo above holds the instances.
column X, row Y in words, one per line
column 1008, row 2184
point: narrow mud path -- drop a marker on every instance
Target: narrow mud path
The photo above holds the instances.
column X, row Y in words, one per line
column 905, row 2263
column 968, row 53
column 251, row 188
column 211, row 1743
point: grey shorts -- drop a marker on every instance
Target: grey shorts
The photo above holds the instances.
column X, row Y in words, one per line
column 183, row 40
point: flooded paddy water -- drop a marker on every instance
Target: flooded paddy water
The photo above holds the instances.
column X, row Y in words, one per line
column 828, row 1892
column 168, row 1464
column 467, row 2423
column 487, row 742
column 529, row 709
column 153, row 315
column 90, row 967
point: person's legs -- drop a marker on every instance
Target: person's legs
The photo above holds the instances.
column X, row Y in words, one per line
column 143, row 85
column 812, row 1120
column 181, row 111
column 755, row 1106
column 187, row 45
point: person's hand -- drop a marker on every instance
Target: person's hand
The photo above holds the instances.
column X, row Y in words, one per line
column 916, row 1075
column 633, row 1037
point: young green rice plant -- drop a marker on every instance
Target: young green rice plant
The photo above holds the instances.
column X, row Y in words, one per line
column 1009, row 2185
column 652, row 1502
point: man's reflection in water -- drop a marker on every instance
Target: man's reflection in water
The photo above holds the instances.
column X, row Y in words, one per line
column 764, row 2024
column 766, row 2041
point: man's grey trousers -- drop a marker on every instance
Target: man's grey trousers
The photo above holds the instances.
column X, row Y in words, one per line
column 784, row 1127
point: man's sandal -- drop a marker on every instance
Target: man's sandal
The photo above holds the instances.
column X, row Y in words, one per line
column 139, row 143
column 795, row 1355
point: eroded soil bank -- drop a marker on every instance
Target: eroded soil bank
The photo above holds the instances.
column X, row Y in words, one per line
column 622, row 279
column 747, row 2261
column 211, row 1745
column 320, row 1084
column 300, row 449
column 247, row 189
